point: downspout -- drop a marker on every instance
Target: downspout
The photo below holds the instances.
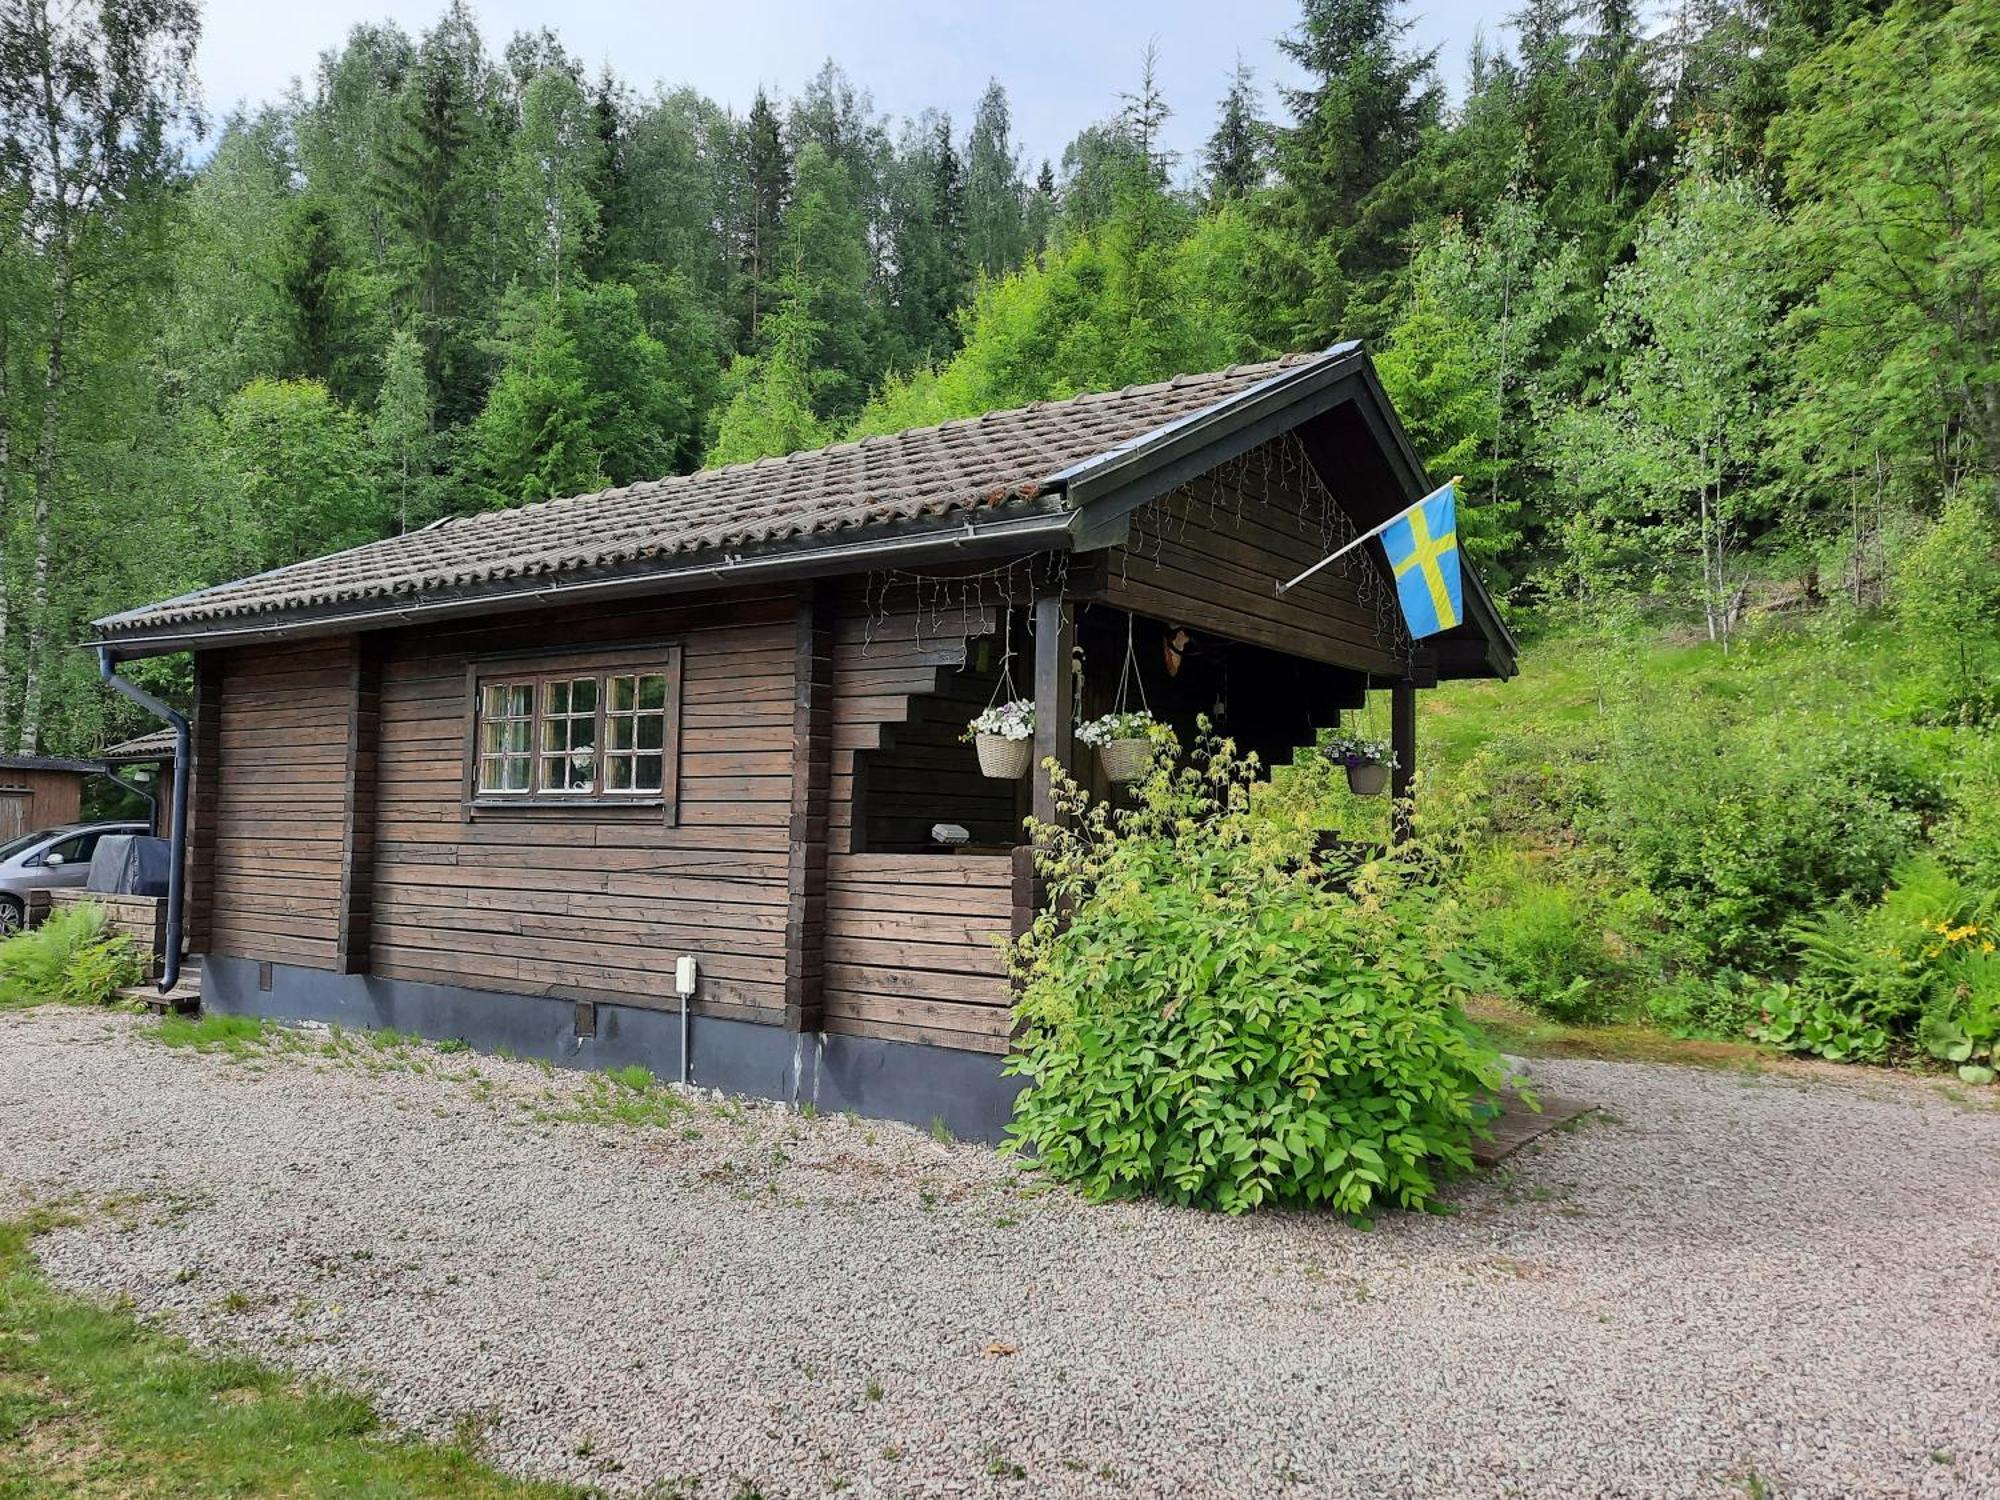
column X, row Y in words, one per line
column 170, row 961
column 152, row 802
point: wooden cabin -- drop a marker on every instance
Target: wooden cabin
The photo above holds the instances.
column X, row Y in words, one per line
column 493, row 779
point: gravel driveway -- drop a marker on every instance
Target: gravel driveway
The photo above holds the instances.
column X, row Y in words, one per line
column 1724, row 1283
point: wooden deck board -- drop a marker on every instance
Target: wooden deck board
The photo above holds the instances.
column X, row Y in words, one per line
column 1517, row 1124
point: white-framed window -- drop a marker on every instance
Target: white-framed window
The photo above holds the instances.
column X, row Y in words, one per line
column 574, row 730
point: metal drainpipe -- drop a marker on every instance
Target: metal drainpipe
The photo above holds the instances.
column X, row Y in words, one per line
column 152, row 802
column 170, row 965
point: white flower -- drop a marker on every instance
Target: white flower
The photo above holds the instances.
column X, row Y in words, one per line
column 1009, row 721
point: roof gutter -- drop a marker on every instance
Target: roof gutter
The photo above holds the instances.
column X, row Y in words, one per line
column 170, row 961
column 965, row 538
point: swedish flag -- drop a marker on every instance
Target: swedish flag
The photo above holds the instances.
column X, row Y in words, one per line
column 1422, row 544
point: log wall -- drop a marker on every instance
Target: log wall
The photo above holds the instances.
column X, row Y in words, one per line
column 334, row 825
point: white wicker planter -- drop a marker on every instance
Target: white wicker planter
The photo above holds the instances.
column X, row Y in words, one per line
column 1004, row 759
column 1368, row 780
column 1125, row 760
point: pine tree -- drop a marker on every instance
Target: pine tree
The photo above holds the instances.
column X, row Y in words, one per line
column 1235, row 156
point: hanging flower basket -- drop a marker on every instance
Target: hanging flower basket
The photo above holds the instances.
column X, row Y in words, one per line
column 1368, row 762
column 1004, row 736
column 1369, row 779
column 1124, row 744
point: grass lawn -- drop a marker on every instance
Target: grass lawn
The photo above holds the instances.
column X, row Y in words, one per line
column 94, row 1404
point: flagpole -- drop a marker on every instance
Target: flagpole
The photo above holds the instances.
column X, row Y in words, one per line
column 1285, row 588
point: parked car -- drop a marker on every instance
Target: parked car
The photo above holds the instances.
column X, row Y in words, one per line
column 41, row 861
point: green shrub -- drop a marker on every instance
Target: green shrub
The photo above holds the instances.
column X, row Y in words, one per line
column 1740, row 831
column 1544, row 936
column 1723, row 1003
column 70, row 957
column 1947, row 593
column 1219, row 1020
column 1920, row 967
column 98, row 971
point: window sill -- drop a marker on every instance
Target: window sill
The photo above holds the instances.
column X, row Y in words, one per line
column 489, row 807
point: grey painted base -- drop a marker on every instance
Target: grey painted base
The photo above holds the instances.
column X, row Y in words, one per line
column 879, row 1079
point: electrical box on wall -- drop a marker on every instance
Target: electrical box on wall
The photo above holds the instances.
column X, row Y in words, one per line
column 685, row 975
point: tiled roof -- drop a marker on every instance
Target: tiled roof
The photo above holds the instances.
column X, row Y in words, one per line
column 1004, row 459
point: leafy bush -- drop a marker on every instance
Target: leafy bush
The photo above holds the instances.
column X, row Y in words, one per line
column 71, row 958
column 1221, row 1020
column 1544, row 936
column 1739, row 831
column 1947, row 592
column 1920, row 967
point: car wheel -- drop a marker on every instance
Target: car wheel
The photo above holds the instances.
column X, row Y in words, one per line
column 11, row 913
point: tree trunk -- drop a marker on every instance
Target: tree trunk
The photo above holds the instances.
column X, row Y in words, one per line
column 47, row 458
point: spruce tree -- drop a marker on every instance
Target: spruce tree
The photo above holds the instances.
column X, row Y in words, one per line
column 767, row 188
column 1357, row 123
column 1235, row 156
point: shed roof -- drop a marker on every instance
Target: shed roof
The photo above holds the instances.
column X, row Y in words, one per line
column 1006, row 479
column 158, row 745
column 47, row 763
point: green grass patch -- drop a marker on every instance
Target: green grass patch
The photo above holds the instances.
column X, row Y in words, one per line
column 94, row 1403
column 238, row 1036
column 624, row 1096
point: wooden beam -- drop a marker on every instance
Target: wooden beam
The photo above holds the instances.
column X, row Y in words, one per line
column 354, row 935
column 1055, row 703
column 1403, row 740
column 812, row 792
column 204, row 799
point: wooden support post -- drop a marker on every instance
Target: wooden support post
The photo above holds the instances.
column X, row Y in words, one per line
column 204, row 800
column 812, row 791
column 1403, row 741
column 357, row 848
column 1055, row 726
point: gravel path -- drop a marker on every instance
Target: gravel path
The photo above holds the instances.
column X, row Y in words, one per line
column 1725, row 1277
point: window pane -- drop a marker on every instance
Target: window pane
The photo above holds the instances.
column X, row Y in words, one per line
column 621, row 693
column 619, row 730
column 653, row 692
column 652, row 731
column 516, row 776
column 520, row 699
column 618, row 774
column 646, row 775
column 583, row 696
column 582, row 733
column 493, row 701
column 557, row 699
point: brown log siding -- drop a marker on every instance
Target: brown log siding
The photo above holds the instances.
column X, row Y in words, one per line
column 584, row 905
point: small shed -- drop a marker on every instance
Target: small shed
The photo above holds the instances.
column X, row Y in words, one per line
column 497, row 778
column 40, row 791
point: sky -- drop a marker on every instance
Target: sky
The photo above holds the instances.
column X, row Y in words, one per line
column 1064, row 64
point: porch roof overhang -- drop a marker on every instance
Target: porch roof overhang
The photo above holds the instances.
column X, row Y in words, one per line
column 989, row 503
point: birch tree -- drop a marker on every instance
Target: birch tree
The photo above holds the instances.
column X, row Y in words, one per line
column 89, row 100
